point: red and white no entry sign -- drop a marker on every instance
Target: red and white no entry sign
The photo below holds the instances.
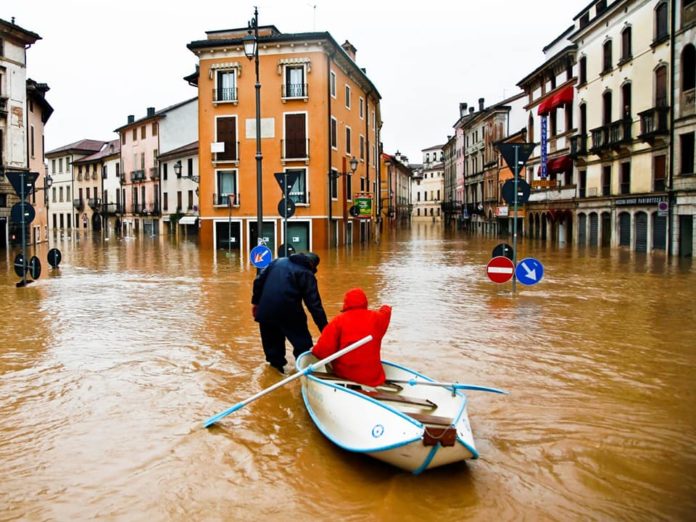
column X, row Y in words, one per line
column 500, row 269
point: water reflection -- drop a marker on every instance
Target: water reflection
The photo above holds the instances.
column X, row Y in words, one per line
column 110, row 364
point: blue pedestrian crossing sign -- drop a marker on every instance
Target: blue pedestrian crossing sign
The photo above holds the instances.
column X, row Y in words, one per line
column 261, row 256
column 529, row 271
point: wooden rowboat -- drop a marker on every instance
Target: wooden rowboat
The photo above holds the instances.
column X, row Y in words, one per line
column 414, row 427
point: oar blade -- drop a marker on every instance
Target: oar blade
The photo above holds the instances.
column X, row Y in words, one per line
column 474, row 387
column 215, row 418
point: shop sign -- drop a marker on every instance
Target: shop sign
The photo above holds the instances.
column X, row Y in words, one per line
column 646, row 200
column 502, row 211
column 363, row 200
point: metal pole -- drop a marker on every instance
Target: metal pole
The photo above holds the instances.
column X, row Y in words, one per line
column 23, row 179
column 285, row 212
column 229, row 226
column 259, row 176
column 514, row 225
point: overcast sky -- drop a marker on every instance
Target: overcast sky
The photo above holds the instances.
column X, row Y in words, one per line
column 105, row 60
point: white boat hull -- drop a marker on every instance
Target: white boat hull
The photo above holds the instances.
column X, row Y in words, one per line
column 394, row 427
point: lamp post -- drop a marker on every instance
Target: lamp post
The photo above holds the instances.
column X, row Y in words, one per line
column 177, row 169
column 251, row 49
column 332, row 177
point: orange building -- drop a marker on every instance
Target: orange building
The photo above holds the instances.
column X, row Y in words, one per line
column 319, row 111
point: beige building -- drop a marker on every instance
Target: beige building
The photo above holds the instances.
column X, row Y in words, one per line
column 428, row 186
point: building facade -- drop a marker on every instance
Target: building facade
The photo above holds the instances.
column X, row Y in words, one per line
column 318, row 111
column 180, row 177
column 428, row 186
column 395, row 203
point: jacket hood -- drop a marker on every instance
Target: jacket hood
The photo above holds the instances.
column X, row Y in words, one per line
column 354, row 298
column 309, row 260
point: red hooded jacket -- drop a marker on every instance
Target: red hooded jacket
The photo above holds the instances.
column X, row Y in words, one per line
column 362, row 365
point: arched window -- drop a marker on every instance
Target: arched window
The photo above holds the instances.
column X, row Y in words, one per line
column 688, row 71
column 661, row 86
column 661, row 32
column 626, row 100
column 606, row 61
column 606, row 108
column 626, row 45
column 531, row 127
column 583, row 119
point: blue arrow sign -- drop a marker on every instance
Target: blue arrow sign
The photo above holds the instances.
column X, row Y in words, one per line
column 261, row 256
column 529, row 271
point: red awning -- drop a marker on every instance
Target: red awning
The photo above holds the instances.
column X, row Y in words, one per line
column 559, row 164
column 565, row 95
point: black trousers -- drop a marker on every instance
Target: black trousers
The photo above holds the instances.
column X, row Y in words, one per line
column 273, row 337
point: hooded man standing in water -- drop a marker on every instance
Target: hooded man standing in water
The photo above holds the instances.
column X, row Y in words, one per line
column 279, row 290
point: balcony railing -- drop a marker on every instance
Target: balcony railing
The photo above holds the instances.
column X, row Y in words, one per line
column 94, row 203
column 687, row 104
column 3, row 105
column 578, row 146
column 231, row 155
column 137, row 175
column 295, row 149
column 227, row 94
column 113, row 208
column 78, row 203
column 294, row 91
column 654, row 122
column 154, row 173
column 223, row 200
column 620, row 133
column 600, row 139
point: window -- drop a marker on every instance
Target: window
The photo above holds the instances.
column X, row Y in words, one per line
column 296, row 144
column 60, row 165
column 530, row 128
column 142, row 132
column 189, row 167
column 123, row 138
column 606, row 108
column 626, row 52
column 67, row 194
column 179, row 201
column 334, row 184
column 226, row 186
column 347, row 96
column 154, row 128
column 226, row 133
column 582, row 68
column 334, row 133
column 361, row 106
column 661, row 87
column 606, row 57
column 298, row 191
column 165, row 201
column 553, row 126
column 606, row 180
column 362, row 148
column 348, row 140
column 626, row 99
column 661, row 32
column 53, row 195
column 349, row 186
column 164, row 171
column 582, row 183
column 31, row 140
column 569, row 117
column 189, row 202
column 659, row 173
column 135, row 134
column 686, row 142
column 53, row 166
column 332, row 82
column 625, row 178
column 226, row 86
column 295, row 86
column 688, row 69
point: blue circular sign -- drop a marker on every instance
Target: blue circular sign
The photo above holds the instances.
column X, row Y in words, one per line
column 529, row 271
column 261, row 256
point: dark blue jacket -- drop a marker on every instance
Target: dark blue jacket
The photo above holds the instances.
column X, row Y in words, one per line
column 280, row 289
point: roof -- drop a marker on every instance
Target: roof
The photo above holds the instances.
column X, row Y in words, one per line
column 558, row 38
column 158, row 114
column 559, row 55
column 38, row 92
column 18, row 33
column 109, row 148
column 184, row 150
column 86, row 146
column 273, row 38
column 434, row 147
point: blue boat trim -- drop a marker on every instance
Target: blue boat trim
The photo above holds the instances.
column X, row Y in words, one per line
column 428, row 459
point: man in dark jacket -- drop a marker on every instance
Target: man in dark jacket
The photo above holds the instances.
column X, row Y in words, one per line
column 279, row 291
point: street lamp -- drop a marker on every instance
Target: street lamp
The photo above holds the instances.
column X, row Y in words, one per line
column 177, row 169
column 251, row 49
column 333, row 176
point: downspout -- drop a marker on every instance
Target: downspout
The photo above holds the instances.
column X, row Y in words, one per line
column 328, row 143
column 670, row 185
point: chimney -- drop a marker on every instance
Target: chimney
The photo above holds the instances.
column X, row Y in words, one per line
column 150, row 112
column 462, row 109
column 471, row 110
column 480, row 104
column 131, row 118
column 349, row 49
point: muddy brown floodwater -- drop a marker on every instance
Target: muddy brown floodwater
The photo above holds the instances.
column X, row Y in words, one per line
column 109, row 365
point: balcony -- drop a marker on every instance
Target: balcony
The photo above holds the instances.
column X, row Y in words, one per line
column 137, row 175
column 295, row 149
column 3, row 106
column 225, row 95
column 94, row 203
column 688, row 14
column 294, row 91
column 79, row 204
column 600, row 140
column 687, row 103
column 578, row 146
column 229, row 156
column 620, row 133
column 154, row 173
column 653, row 123
column 113, row 208
column 223, row 200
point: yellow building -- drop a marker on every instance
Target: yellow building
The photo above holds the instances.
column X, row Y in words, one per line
column 318, row 112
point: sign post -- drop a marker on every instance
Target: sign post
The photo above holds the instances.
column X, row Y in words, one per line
column 23, row 183
column 286, row 207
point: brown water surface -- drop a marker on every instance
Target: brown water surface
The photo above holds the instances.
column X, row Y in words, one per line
column 109, row 365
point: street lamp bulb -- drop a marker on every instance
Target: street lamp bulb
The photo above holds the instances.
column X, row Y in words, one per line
column 249, row 45
column 177, row 168
column 353, row 164
column 49, row 181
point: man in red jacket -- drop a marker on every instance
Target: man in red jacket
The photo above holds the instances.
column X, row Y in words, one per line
column 363, row 365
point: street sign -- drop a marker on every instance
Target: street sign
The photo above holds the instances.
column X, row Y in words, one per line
column 261, row 256
column 523, row 191
column 291, row 176
column 286, row 208
column 524, row 150
column 22, row 211
column 20, row 265
column 16, row 179
column 500, row 269
column 54, row 256
column 34, row 267
column 503, row 249
column 662, row 208
column 529, row 271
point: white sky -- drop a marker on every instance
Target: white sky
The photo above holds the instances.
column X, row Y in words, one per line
column 104, row 60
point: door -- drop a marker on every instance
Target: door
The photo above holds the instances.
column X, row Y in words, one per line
column 268, row 235
column 228, row 235
column 582, row 229
column 298, row 235
column 624, row 229
column 641, row 232
column 594, row 229
column 686, row 236
column 659, row 231
column 606, row 229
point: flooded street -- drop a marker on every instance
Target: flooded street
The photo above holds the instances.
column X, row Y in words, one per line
column 109, row 366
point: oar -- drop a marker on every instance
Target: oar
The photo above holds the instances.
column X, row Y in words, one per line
column 212, row 420
column 454, row 385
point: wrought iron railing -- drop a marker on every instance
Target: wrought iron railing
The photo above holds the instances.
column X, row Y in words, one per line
column 226, row 94
column 294, row 90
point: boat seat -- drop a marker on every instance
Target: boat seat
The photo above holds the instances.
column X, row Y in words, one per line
column 392, row 397
column 386, row 386
column 431, row 419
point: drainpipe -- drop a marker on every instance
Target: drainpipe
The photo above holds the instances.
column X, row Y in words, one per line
column 329, row 155
column 670, row 185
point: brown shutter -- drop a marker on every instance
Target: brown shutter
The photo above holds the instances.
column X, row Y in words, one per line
column 226, row 133
column 295, row 136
